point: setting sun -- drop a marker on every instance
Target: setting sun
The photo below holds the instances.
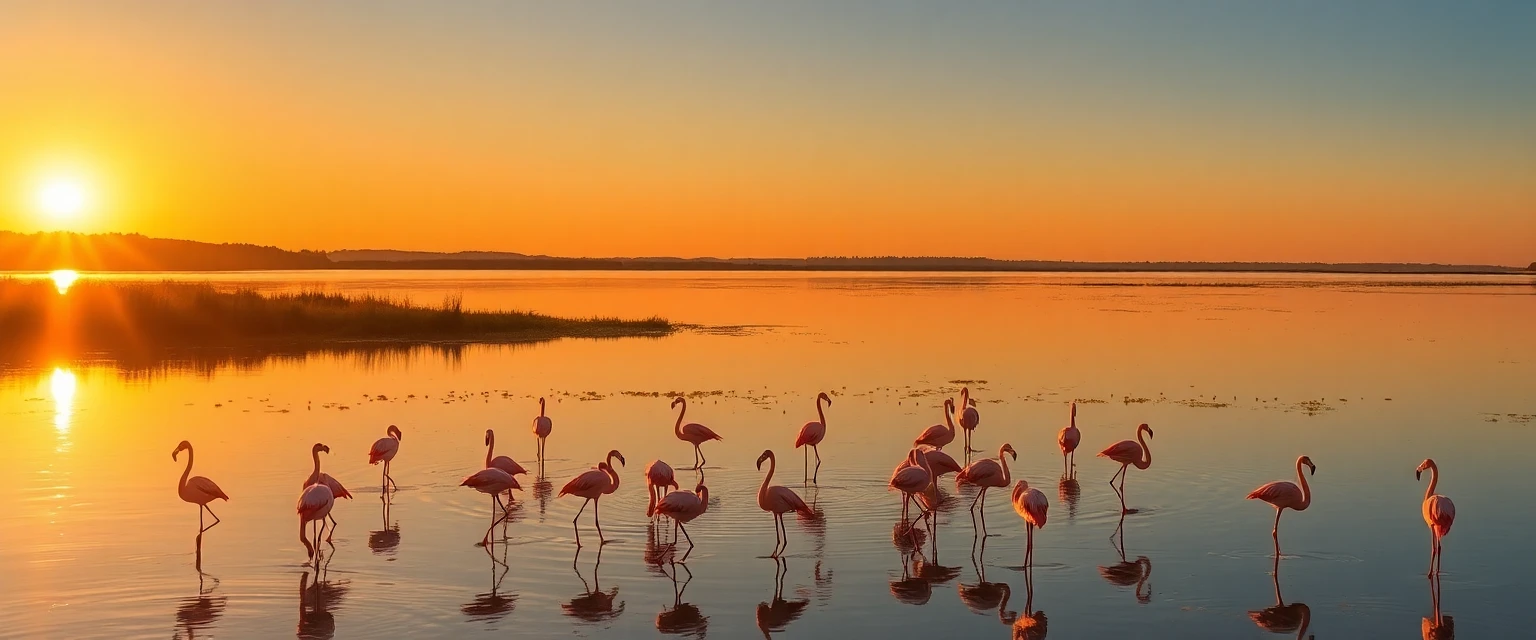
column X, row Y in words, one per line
column 62, row 198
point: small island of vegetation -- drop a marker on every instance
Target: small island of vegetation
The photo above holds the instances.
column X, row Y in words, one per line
column 98, row 316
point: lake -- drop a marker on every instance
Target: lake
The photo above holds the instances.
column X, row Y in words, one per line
column 1237, row 374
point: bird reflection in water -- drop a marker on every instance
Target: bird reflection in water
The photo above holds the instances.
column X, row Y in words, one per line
column 918, row 577
column 683, row 618
column 815, row 526
column 199, row 613
column 493, row 605
column 316, row 603
column 1440, row 627
column 1032, row 624
column 658, row 551
column 543, row 490
column 1124, row 573
column 774, row 616
column 983, row 597
column 1282, row 617
column 1070, row 492
column 386, row 540
column 594, row 605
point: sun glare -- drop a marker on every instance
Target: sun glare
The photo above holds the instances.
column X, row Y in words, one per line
column 63, row 278
column 62, row 386
column 62, row 198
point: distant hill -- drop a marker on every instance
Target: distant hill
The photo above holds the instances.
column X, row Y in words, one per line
column 390, row 255
column 133, row 252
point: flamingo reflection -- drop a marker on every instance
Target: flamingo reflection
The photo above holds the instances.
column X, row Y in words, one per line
column 683, row 618
column 493, row 605
column 199, row 613
column 1032, row 624
column 1124, row 573
column 386, row 540
column 984, row 597
column 1440, row 627
column 775, row 615
column 1069, row 491
column 315, row 605
column 594, row 605
column 1282, row 617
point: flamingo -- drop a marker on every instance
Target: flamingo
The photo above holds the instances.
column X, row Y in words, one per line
column 197, row 490
column 682, row 507
column 939, row 463
column 939, row 435
column 1439, row 512
column 692, row 433
column 314, row 505
column 913, row 477
column 1286, row 495
column 658, row 476
column 384, row 450
column 812, row 433
column 593, row 484
column 542, row 425
column 970, row 418
column 778, row 500
column 1068, row 439
column 1128, row 452
column 501, row 462
column 493, row 482
column 1031, row 505
column 337, row 490
column 986, row 474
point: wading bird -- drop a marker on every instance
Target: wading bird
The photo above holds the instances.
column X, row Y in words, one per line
column 384, row 450
column 939, row 462
column 682, row 507
column 337, row 490
column 1439, row 512
column 197, row 489
column 1031, row 505
column 1128, row 452
column 692, row 433
column 778, row 500
column 986, row 474
column 500, row 462
column 493, row 482
column 939, row 435
column 913, row 477
column 542, row 425
column 970, row 418
column 811, row 435
column 593, row 484
column 658, row 476
column 1068, row 439
column 314, row 505
column 1286, row 495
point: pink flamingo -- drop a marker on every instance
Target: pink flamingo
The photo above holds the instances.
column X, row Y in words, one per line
column 692, row 433
column 384, row 450
column 593, row 484
column 493, row 482
column 970, row 418
column 682, row 507
column 1128, row 452
column 986, row 474
column 658, row 476
column 811, row 435
column 1439, row 512
column 939, row 462
column 1031, row 505
column 939, row 435
column 314, row 505
column 500, row 462
column 913, row 478
column 542, row 425
column 337, row 490
column 1068, row 439
column 197, row 489
column 778, row 500
column 1284, row 495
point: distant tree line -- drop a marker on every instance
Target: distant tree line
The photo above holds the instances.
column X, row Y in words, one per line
column 134, row 252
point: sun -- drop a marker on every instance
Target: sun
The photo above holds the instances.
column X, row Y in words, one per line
column 62, row 198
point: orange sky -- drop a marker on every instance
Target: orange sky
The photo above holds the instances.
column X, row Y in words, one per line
column 861, row 129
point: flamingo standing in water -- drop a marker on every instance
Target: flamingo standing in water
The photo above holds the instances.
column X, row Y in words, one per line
column 1439, row 512
column 314, row 505
column 337, row 490
column 1127, row 453
column 986, row 474
column 493, row 481
column 811, row 435
column 682, row 507
column 1068, row 439
column 970, row 418
column 501, row 462
column 1031, row 505
column 1286, row 495
column 658, row 476
column 542, row 425
column 692, row 433
column 593, row 484
column 197, row 490
column 939, row 435
column 913, row 478
column 778, row 500
column 384, row 450
column 939, row 463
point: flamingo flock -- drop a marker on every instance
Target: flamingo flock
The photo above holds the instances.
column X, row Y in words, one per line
column 916, row 478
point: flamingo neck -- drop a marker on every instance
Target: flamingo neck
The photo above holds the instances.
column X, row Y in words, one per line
column 1434, row 477
column 703, row 495
column 614, row 475
column 677, row 429
column 1146, row 452
column 650, row 505
column 1306, row 621
column 1073, row 421
column 762, row 491
column 490, row 445
column 819, row 415
column 1306, row 491
column 1002, row 607
column 188, row 471
column 1002, row 458
column 541, row 407
column 965, row 398
column 949, row 416
column 313, row 453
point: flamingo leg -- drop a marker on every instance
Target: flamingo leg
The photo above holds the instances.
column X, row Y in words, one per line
column 983, row 511
column 817, row 473
column 1123, row 476
column 577, row 518
column 805, row 454
column 308, row 550
column 201, row 528
column 702, row 460
column 333, row 527
column 599, row 522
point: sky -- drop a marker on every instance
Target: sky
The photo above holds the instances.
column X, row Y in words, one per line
column 1179, row 130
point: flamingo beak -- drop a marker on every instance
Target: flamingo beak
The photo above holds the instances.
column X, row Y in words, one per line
column 1418, row 474
column 621, row 461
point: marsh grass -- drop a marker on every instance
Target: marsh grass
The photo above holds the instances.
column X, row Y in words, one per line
column 138, row 316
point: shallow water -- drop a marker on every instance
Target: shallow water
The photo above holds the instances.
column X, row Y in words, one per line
column 1238, row 376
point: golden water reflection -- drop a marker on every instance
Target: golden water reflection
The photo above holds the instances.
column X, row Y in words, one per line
column 63, row 279
column 62, row 385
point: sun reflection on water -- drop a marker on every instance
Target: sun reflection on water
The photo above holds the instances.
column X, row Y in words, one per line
column 63, row 279
column 62, row 385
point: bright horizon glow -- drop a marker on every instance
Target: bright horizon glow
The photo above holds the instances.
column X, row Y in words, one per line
column 62, row 199
column 63, row 279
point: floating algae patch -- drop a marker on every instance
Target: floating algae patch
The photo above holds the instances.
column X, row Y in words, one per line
column 1312, row 407
column 1202, row 404
column 1090, row 401
column 1136, row 400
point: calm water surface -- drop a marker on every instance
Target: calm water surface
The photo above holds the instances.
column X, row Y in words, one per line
column 1238, row 376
